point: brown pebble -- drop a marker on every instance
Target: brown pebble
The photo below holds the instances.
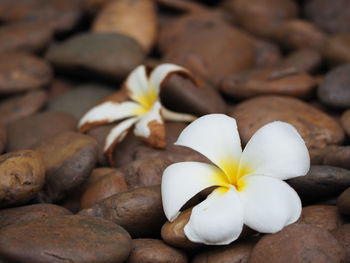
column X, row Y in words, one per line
column 3, row 138
column 345, row 121
column 336, row 49
column 343, row 202
column 302, row 60
column 339, row 156
column 148, row 250
column 342, row 234
column 22, row 175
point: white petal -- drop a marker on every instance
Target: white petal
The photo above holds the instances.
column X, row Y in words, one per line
column 216, row 137
column 175, row 116
column 269, row 204
column 218, row 220
column 181, row 181
column 108, row 112
column 161, row 73
column 276, row 150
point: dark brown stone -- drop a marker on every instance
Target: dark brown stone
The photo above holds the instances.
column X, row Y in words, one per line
column 334, row 90
column 298, row 243
column 65, row 239
column 345, row 121
column 139, row 211
column 326, row 217
column 23, row 105
column 146, row 172
column 315, row 127
column 3, row 138
column 60, row 15
column 21, row 72
column 181, row 95
column 59, row 86
column 110, row 184
column 267, row 53
column 343, row 202
column 23, row 214
column 317, row 155
column 148, row 250
column 336, row 49
column 321, row 182
column 342, row 234
column 302, row 60
column 237, row 252
column 109, row 55
column 297, row 33
column 288, row 82
column 339, row 157
column 27, row 132
column 22, row 175
column 227, row 49
column 25, row 36
column 69, row 159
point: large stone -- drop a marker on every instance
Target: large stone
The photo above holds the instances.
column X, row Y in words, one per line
column 298, row 243
column 27, row 132
column 21, row 72
column 315, row 127
column 343, row 236
column 155, row 251
column 139, row 211
column 302, row 60
column 136, row 19
column 65, row 239
column 110, row 55
column 22, row 175
column 22, row 214
column 345, row 121
column 334, row 90
column 343, row 202
column 339, row 156
column 69, row 159
column 23, row 105
column 321, row 182
column 88, row 96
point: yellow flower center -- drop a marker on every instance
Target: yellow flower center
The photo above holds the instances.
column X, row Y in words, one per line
column 147, row 99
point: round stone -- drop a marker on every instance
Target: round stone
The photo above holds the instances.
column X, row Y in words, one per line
column 302, row 60
column 19, row 106
column 21, row 72
column 339, row 156
column 22, row 175
column 109, row 55
column 298, row 243
column 65, row 238
column 345, row 121
column 155, row 251
column 334, row 91
column 315, row 127
column 69, row 159
column 343, row 202
column 26, row 133
column 22, row 214
column 336, row 49
column 343, row 235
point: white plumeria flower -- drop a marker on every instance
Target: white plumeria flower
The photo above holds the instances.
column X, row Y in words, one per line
column 144, row 110
column 250, row 188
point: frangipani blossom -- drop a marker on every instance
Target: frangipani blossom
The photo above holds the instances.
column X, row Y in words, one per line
column 250, row 187
column 140, row 107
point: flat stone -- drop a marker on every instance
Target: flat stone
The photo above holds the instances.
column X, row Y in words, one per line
column 25, row 36
column 339, row 157
column 65, row 238
column 227, row 49
column 110, row 184
column 181, row 95
column 336, row 49
column 334, row 90
column 136, row 19
column 331, row 17
column 19, row 106
column 22, row 175
column 315, row 127
column 302, row 60
column 321, row 182
column 238, row 252
column 155, row 251
column 345, row 121
column 59, row 15
column 343, row 202
column 298, row 243
column 109, row 55
column 88, row 96
column 139, row 211
column 3, row 138
column 326, row 217
column 69, row 159
column 146, row 172
column 267, row 53
column 23, row 214
column 342, row 234
column 288, row 82
column 21, row 72
column 26, row 133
